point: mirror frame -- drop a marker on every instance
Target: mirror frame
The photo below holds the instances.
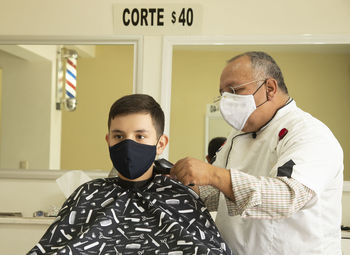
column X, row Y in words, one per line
column 136, row 41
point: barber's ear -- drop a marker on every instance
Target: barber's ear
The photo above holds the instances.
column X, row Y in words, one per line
column 162, row 143
column 271, row 86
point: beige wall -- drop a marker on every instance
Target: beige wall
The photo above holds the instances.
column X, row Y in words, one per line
column 225, row 17
column 319, row 83
column 194, row 84
column 100, row 81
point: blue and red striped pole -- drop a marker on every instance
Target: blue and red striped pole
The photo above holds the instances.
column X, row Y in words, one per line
column 71, row 78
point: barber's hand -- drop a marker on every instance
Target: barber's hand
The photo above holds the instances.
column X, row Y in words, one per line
column 192, row 171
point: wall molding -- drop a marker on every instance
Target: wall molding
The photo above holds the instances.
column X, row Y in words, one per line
column 31, row 174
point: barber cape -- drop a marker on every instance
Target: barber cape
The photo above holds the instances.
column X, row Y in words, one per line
column 114, row 216
column 295, row 145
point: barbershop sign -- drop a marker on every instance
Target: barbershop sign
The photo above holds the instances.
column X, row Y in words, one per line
column 162, row 19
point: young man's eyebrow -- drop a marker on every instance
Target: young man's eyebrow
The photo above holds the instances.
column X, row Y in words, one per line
column 116, row 131
column 141, row 131
column 136, row 131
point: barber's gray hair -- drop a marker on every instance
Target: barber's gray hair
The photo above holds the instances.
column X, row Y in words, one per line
column 264, row 65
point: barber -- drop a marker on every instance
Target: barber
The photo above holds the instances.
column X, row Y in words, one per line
column 277, row 181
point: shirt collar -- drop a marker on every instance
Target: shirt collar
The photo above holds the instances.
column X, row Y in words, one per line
column 287, row 107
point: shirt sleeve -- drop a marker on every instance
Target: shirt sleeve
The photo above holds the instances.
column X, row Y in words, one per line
column 210, row 197
column 266, row 197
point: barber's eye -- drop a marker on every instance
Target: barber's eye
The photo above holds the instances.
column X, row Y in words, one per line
column 118, row 137
column 140, row 137
column 232, row 90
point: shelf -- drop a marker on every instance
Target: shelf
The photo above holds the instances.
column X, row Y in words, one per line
column 27, row 220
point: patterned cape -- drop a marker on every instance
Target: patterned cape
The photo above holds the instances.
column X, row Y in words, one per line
column 114, row 216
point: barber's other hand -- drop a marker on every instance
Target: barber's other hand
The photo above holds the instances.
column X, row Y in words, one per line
column 193, row 171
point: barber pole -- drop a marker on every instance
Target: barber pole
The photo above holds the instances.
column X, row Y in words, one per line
column 66, row 79
column 71, row 78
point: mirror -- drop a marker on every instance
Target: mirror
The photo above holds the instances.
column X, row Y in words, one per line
column 317, row 77
column 34, row 135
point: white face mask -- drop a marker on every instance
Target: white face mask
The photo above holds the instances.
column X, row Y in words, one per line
column 236, row 109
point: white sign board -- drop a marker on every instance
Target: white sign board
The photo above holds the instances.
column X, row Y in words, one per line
column 157, row 19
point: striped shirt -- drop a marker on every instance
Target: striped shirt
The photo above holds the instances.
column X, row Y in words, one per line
column 260, row 197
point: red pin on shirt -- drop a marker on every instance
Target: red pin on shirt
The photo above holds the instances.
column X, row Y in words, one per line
column 282, row 133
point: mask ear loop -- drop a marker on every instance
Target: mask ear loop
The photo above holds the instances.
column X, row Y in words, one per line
column 257, row 91
column 159, row 139
column 157, row 144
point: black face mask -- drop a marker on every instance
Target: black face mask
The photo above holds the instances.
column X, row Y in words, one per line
column 132, row 159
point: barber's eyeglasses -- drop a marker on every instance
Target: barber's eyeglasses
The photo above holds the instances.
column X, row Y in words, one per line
column 234, row 89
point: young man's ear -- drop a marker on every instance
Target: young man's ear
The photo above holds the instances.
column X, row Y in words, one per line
column 162, row 143
column 107, row 139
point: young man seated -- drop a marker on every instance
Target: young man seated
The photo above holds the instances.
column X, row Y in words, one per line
column 137, row 212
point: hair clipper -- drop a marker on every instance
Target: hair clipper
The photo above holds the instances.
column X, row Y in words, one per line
column 162, row 166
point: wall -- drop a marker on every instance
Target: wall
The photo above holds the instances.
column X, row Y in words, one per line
column 195, row 81
column 319, row 82
column 226, row 18
column 100, row 81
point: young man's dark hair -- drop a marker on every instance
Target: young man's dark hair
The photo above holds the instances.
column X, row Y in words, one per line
column 138, row 103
